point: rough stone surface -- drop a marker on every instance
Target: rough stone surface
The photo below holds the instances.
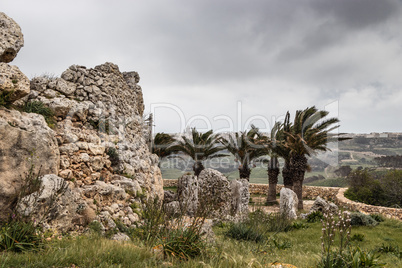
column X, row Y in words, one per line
column 120, row 237
column 187, row 194
column 322, row 205
column 55, row 203
column 240, row 197
column 98, row 110
column 26, row 141
column 172, row 208
column 99, row 133
column 169, row 196
column 11, row 38
column 214, row 192
column 288, row 203
column 13, row 82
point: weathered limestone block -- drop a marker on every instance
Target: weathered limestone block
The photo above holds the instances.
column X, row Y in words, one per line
column 56, row 203
column 131, row 187
column 26, row 141
column 322, row 205
column 187, row 193
column 13, row 82
column 11, row 38
column 214, row 192
column 240, row 197
column 288, row 203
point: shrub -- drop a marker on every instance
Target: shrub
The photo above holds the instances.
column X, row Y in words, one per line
column 374, row 188
column 113, row 156
column 360, row 219
column 96, row 227
column 183, row 243
column 279, row 222
column 153, row 219
column 357, row 237
column 388, row 249
column 243, row 231
column 18, row 235
column 281, row 245
column 377, row 217
column 315, row 216
column 39, row 107
column 5, row 99
column 179, row 237
column 258, row 224
column 298, row 225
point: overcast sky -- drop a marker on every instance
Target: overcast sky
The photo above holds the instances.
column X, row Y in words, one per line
column 224, row 64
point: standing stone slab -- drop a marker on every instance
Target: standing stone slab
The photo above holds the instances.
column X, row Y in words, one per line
column 187, row 193
column 240, row 197
column 214, row 192
column 288, row 203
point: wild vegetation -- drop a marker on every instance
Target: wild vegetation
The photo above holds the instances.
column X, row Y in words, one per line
column 376, row 188
column 257, row 241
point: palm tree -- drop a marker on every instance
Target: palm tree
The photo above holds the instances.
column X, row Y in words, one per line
column 161, row 145
column 245, row 147
column 276, row 149
column 200, row 147
column 309, row 133
column 287, row 172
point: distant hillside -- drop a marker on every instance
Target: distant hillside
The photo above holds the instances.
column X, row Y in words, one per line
column 359, row 152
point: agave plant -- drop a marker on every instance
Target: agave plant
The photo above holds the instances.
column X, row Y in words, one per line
column 200, row 147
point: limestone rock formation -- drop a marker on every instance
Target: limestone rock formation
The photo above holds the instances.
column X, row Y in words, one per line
column 26, row 141
column 214, row 192
column 288, row 203
column 169, row 196
column 97, row 146
column 11, row 38
column 210, row 193
column 55, row 203
column 322, row 205
column 240, row 197
column 100, row 127
column 13, row 82
column 187, row 193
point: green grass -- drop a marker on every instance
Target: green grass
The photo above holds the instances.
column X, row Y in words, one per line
column 172, row 174
column 305, row 250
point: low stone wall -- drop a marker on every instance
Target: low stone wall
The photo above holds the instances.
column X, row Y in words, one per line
column 169, row 183
column 334, row 194
column 395, row 213
column 309, row 192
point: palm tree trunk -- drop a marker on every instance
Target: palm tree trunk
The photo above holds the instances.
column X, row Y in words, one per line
column 299, row 163
column 298, row 189
column 244, row 172
column 273, row 172
column 287, row 174
column 198, row 167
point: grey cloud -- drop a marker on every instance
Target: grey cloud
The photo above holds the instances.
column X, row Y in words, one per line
column 205, row 55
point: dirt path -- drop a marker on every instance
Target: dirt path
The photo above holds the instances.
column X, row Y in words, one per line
column 259, row 201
